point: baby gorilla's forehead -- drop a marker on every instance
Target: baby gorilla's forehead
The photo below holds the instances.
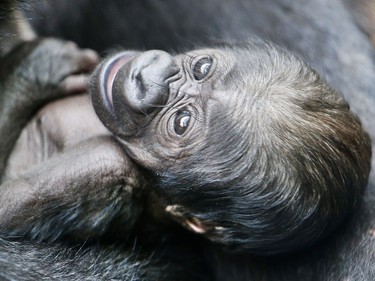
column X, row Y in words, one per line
column 246, row 73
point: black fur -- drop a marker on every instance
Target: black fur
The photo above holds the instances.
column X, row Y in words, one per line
column 317, row 30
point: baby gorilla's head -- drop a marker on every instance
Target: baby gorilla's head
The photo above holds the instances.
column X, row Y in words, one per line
column 249, row 145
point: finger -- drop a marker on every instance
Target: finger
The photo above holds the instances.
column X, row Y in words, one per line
column 74, row 84
column 87, row 60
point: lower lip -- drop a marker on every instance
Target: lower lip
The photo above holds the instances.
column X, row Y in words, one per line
column 111, row 70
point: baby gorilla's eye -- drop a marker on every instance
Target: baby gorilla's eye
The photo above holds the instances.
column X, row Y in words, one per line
column 202, row 68
column 181, row 122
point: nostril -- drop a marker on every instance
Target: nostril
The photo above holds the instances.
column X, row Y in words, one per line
column 140, row 84
column 138, row 77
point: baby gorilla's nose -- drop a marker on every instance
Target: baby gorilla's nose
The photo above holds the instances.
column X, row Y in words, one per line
column 144, row 85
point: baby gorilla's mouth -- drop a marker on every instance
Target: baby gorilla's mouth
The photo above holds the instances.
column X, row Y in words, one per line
column 110, row 70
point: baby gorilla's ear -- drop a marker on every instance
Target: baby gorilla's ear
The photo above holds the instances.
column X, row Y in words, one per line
column 194, row 224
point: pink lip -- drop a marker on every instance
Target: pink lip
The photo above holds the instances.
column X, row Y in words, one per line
column 111, row 72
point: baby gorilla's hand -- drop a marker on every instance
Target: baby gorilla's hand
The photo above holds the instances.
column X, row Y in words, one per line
column 52, row 67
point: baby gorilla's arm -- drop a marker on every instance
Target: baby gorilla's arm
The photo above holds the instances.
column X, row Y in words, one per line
column 57, row 181
column 67, row 176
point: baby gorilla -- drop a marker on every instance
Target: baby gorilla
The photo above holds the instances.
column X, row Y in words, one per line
column 248, row 145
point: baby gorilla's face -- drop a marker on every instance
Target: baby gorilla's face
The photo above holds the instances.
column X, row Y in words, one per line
column 161, row 105
column 249, row 146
